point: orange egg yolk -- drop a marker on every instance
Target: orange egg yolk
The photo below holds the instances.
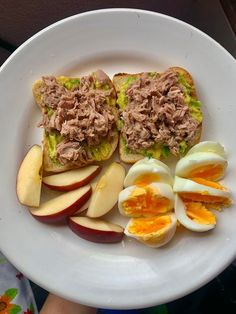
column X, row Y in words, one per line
column 204, row 196
column 208, row 183
column 146, row 179
column 199, row 213
column 208, row 172
column 143, row 226
column 145, row 201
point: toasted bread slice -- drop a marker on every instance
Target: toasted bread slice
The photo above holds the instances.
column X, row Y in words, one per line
column 49, row 165
column 128, row 156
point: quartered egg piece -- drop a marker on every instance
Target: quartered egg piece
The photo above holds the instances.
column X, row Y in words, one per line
column 207, row 165
column 154, row 232
column 143, row 174
column 194, row 215
column 208, row 146
column 151, row 162
column 201, row 190
column 146, row 201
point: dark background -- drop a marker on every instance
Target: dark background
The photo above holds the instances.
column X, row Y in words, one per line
column 19, row 20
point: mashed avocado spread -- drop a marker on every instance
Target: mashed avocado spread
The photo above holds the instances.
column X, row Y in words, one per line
column 53, row 139
column 122, row 99
column 193, row 104
column 68, row 83
column 98, row 153
column 101, row 151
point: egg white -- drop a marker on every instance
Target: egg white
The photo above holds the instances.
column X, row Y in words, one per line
column 155, row 239
column 181, row 215
column 198, row 159
column 208, row 146
column 145, row 169
column 153, row 162
column 162, row 189
column 182, row 185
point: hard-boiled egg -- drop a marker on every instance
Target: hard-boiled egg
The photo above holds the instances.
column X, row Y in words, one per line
column 194, row 215
column 208, row 146
column 147, row 171
column 154, row 231
column 207, row 165
column 201, row 190
column 146, row 201
column 153, row 162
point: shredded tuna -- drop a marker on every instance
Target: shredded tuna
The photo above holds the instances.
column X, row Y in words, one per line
column 51, row 92
column 81, row 116
column 73, row 152
column 157, row 112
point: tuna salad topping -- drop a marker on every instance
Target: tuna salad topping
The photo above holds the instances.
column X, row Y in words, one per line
column 81, row 115
column 157, row 113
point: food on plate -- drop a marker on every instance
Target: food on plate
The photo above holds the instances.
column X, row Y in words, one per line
column 107, row 190
column 60, row 207
column 155, row 231
column 208, row 146
column 96, row 230
column 194, row 215
column 146, row 171
column 207, row 165
column 79, row 120
column 71, row 179
column 202, row 190
column 146, row 201
column 86, row 205
column 160, row 114
column 29, row 177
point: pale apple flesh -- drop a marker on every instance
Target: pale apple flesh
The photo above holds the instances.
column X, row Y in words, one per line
column 29, row 177
column 107, row 191
column 72, row 179
column 96, row 230
column 60, row 207
column 86, row 205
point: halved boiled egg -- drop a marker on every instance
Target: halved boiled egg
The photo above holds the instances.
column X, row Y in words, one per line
column 146, row 201
column 208, row 146
column 154, row 231
column 194, row 215
column 207, row 165
column 201, row 190
column 146, row 171
column 151, row 161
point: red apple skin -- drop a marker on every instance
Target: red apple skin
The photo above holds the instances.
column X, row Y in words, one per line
column 97, row 236
column 62, row 215
column 76, row 185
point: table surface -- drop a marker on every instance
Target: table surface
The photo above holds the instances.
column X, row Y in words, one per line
column 20, row 20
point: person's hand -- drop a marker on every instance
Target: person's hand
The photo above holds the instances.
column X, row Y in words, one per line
column 57, row 305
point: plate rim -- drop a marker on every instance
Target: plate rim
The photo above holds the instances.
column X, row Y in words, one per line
column 90, row 302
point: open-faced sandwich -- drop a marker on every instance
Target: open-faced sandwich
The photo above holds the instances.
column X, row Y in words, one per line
column 159, row 114
column 79, row 120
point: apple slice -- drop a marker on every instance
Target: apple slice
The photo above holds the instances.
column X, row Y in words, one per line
column 107, row 191
column 86, row 205
column 96, row 230
column 73, row 179
column 29, row 177
column 60, row 207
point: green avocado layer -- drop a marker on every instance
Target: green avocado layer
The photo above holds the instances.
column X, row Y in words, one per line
column 98, row 153
column 193, row 104
column 69, row 83
column 101, row 151
column 122, row 99
column 53, row 138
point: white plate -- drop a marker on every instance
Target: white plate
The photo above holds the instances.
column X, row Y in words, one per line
column 125, row 275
